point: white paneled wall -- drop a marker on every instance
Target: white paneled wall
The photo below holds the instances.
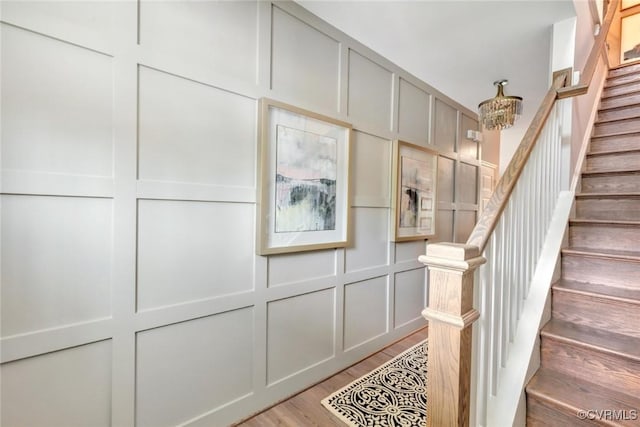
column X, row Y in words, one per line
column 375, row 292
column 301, row 333
column 63, row 388
column 305, row 62
column 131, row 293
column 183, row 255
column 369, row 92
column 56, row 261
column 414, row 116
column 202, row 367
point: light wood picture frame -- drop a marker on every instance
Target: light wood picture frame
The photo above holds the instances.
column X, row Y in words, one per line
column 303, row 198
column 414, row 202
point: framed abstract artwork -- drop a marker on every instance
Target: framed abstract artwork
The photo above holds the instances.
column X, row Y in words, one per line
column 413, row 208
column 303, row 180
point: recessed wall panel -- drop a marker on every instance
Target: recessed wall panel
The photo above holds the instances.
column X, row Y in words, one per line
column 445, row 126
column 446, row 168
column 69, row 387
column 491, row 146
column 467, row 147
column 210, row 38
column 370, row 173
column 369, row 91
column 194, row 133
column 297, row 267
column 410, row 251
column 365, row 311
column 300, row 333
column 193, row 250
column 56, row 106
column 467, row 184
column 56, row 261
column 444, row 226
column 305, row 62
column 189, row 368
column 370, row 231
column 465, row 221
column 410, row 292
column 85, row 23
column 413, row 115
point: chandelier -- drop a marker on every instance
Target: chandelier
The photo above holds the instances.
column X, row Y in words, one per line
column 502, row 111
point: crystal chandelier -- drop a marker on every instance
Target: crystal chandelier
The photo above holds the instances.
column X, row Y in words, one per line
column 502, row 111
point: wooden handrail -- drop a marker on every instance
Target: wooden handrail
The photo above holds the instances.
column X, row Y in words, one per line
column 598, row 49
column 491, row 214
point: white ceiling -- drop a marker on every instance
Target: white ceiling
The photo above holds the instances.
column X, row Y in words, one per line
column 458, row 47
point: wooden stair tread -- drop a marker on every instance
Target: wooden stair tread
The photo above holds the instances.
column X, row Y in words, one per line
column 624, row 120
column 622, row 67
column 624, row 112
column 631, row 296
column 612, row 172
column 629, row 134
column 620, row 255
column 617, row 81
column 618, row 101
column 634, row 195
column 610, row 152
column 619, row 345
column 571, row 395
column 609, row 97
column 626, row 68
column 621, row 91
column 616, row 126
column 622, row 80
column 616, row 133
column 620, row 108
column 621, row 223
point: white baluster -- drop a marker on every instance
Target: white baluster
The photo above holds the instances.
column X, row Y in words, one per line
column 495, row 312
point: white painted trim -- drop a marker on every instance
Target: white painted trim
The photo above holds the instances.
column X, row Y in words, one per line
column 55, row 184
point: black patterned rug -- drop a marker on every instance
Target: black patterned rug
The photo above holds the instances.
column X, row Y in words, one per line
column 395, row 394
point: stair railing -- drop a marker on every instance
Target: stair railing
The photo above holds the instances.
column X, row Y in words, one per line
column 496, row 267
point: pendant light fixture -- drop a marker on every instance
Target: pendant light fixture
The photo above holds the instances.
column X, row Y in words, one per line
column 502, row 111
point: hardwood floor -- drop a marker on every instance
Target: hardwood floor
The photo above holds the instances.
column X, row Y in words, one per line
column 304, row 409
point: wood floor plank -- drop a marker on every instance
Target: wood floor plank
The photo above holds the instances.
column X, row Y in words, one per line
column 406, row 344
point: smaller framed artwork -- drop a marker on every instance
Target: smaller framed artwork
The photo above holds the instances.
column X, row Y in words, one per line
column 303, row 180
column 415, row 174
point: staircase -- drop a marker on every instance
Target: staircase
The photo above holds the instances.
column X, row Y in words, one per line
column 590, row 349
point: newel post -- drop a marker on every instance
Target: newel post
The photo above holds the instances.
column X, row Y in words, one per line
column 450, row 314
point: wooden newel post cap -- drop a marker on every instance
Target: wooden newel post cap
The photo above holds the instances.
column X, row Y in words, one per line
column 452, row 256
